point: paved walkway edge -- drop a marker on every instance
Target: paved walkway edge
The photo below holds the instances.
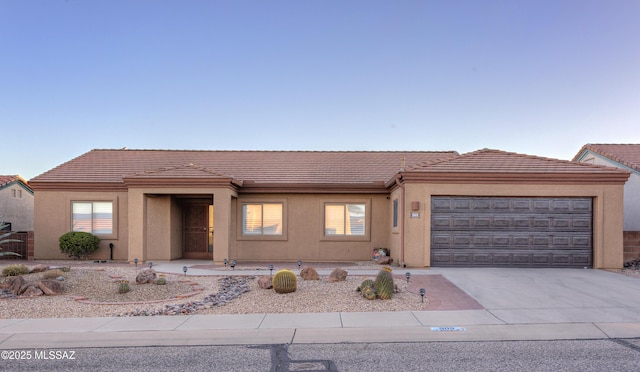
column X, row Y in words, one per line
column 492, row 332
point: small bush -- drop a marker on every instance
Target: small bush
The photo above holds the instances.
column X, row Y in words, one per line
column 15, row 270
column 52, row 274
column 78, row 244
column 161, row 281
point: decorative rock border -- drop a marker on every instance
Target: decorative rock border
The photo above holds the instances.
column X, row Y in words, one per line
column 231, row 287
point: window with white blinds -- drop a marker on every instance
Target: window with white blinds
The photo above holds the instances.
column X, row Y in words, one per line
column 341, row 219
column 92, row 217
column 262, row 219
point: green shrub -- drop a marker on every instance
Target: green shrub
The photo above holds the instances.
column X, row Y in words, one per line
column 15, row 270
column 161, row 281
column 78, row 244
column 52, row 274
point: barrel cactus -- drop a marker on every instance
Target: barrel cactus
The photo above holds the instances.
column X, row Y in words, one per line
column 366, row 289
column 365, row 283
column 123, row 287
column 285, row 281
column 369, row 293
column 383, row 284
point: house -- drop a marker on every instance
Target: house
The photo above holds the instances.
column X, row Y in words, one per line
column 627, row 157
column 16, row 203
column 484, row 208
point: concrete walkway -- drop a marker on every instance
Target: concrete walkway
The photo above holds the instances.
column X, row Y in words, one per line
column 519, row 304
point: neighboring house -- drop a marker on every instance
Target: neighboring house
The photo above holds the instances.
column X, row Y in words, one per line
column 16, row 203
column 485, row 208
column 627, row 157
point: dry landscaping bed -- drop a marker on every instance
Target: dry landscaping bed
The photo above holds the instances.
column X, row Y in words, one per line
column 93, row 292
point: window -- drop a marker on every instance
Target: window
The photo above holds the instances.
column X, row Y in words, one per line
column 92, row 217
column 344, row 219
column 395, row 212
column 262, row 219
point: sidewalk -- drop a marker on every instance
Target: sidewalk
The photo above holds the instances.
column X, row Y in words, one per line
column 515, row 304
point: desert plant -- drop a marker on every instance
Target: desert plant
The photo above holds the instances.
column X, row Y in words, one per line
column 52, row 274
column 161, row 281
column 369, row 293
column 124, row 287
column 366, row 289
column 78, row 244
column 383, row 284
column 365, row 283
column 15, row 270
column 285, row 281
column 4, row 238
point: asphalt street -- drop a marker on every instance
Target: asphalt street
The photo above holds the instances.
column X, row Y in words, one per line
column 565, row 355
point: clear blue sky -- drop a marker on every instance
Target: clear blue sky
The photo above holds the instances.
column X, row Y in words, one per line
column 541, row 77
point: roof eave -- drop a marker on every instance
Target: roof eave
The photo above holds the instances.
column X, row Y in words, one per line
column 313, row 188
column 568, row 178
column 78, row 186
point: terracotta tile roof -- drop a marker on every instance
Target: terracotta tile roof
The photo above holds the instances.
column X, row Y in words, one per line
column 489, row 165
column 6, row 180
column 259, row 167
column 625, row 154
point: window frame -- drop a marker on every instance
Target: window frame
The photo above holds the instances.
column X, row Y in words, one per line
column 114, row 216
column 240, row 220
column 395, row 213
column 367, row 220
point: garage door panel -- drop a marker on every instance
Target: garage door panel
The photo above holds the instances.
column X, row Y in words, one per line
column 492, row 231
column 552, row 222
column 497, row 240
column 523, row 259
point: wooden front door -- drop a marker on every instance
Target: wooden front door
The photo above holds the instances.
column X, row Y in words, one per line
column 197, row 232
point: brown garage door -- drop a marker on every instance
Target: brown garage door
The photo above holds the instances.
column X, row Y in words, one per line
column 511, row 232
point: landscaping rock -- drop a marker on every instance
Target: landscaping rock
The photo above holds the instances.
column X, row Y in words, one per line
column 39, row 268
column 264, row 282
column 50, row 287
column 231, row 287
column 309, row 273
column 16, row 282
column 32, row 291
column 338, row 275
column 146, row 276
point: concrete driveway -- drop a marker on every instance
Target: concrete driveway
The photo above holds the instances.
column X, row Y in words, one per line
column 526, row 296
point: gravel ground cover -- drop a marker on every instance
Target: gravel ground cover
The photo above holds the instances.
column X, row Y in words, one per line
column 99, row 288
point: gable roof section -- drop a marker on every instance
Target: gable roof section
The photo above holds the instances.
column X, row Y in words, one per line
column 492, row 166
column 256, row 171
column 6, row 181
column 196, row 176
column 627, row 155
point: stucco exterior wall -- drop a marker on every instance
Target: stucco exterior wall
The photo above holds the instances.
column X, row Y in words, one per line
column 303, row 237
column 158, row 228
column 18, row 209
column 631, row 191
column 607, row 215
column 52, row 218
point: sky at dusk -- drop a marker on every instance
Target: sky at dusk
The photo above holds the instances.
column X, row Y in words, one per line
column 539, row 77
